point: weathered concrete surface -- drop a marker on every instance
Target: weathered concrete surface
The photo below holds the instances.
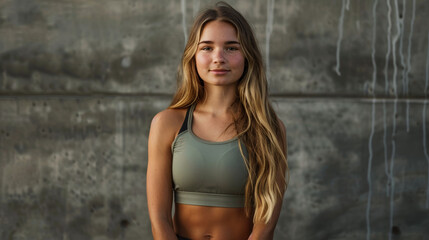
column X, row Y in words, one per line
column 74, row 168
column 328, row 144
column 82, row 46
column 73, row 164
column 135, row 46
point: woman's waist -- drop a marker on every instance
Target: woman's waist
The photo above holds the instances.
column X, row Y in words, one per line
column 202, row 222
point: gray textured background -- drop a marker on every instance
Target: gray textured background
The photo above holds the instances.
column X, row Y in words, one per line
column 81, row 80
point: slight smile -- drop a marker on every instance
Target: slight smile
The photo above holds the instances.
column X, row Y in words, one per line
column 219, row 71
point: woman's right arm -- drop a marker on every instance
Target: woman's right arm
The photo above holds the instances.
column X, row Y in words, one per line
column 158, row 181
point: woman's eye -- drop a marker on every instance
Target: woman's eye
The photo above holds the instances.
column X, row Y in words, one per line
column 206, row 48
column 231, row 49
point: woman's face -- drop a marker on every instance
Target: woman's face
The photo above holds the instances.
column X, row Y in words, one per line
column 219, row 57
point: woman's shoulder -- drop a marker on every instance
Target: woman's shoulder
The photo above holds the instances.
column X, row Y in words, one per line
column 281, row 125
column 170, row 115
column 169, row 120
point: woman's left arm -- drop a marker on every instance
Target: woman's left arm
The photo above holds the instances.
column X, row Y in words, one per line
column 265, row 231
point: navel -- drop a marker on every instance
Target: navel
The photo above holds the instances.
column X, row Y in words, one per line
column 208, row 236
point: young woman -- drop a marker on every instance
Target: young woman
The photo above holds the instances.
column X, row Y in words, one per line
column 219, row 149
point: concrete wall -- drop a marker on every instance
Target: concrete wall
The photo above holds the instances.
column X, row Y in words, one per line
column 81, row 80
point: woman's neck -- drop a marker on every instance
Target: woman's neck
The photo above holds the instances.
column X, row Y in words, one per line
column 218, row 99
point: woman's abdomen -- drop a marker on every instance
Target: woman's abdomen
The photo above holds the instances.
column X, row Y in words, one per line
column 211, row 223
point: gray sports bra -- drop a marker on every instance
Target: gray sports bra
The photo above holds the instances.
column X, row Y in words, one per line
column 207, row 173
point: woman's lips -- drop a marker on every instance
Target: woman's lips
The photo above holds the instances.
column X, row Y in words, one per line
column 219, row 71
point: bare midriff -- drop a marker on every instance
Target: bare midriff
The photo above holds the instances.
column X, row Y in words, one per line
column 211, row 223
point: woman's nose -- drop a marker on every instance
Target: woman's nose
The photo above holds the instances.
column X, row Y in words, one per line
column 218, row 56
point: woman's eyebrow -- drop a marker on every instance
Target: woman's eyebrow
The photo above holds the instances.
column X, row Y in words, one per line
column 211, row 42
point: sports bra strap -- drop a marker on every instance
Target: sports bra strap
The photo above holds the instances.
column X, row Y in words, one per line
column 185, row 122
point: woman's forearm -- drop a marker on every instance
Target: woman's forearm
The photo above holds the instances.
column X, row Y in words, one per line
column 265, row 231
column 262, row 232
column 163, row 230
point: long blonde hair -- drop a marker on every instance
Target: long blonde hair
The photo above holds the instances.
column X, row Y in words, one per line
column 257, row 125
